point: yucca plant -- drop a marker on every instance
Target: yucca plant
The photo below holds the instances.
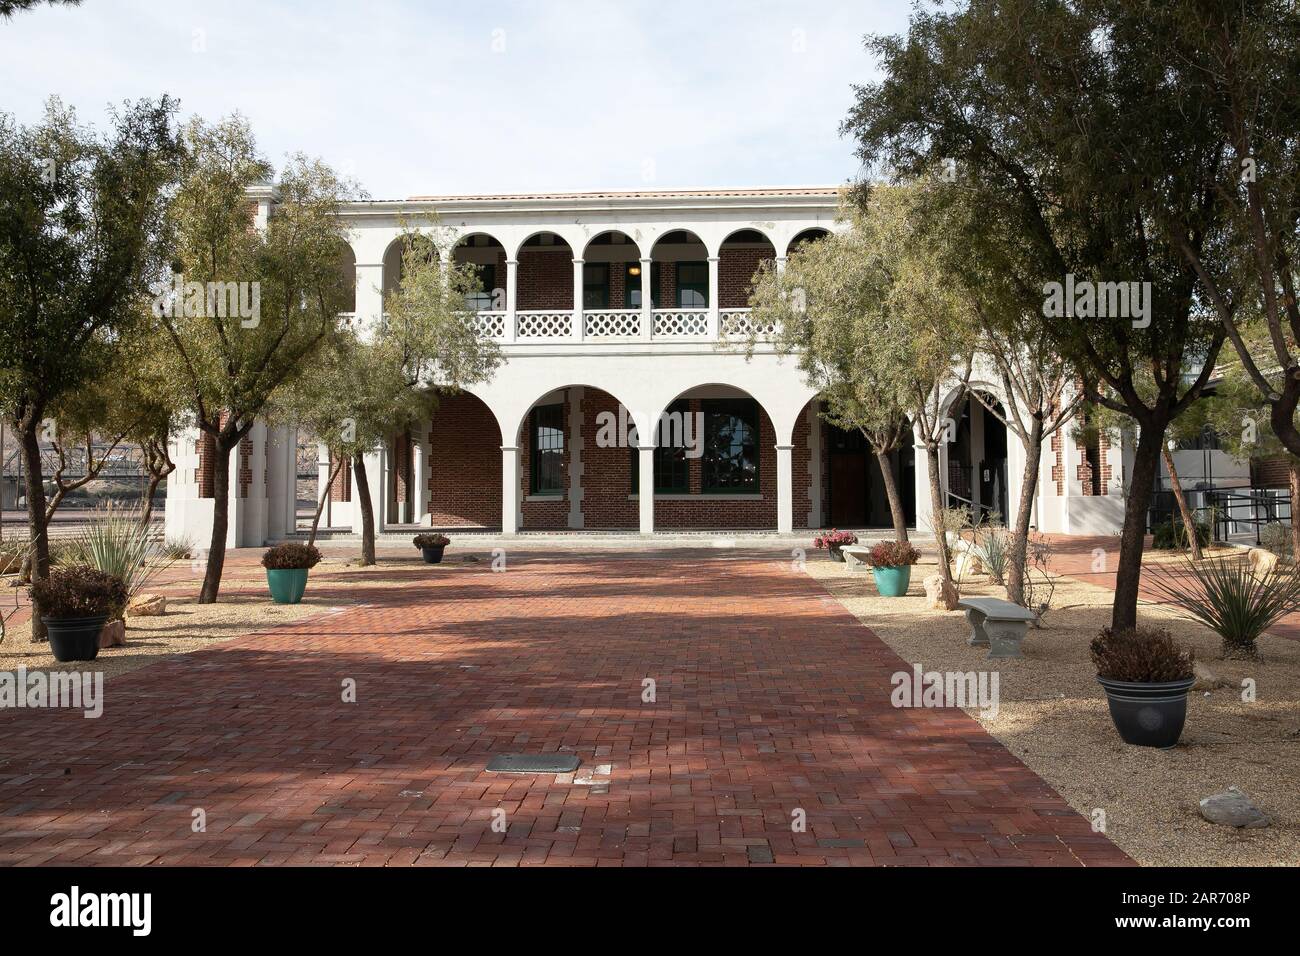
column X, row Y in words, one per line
column 1227, row 596
column 117, row 542
column 994, row 553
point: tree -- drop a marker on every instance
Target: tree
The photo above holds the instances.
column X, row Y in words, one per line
column 9, row 7
column 254, row 303
column 825, row 306
column 83, row 229
column 1071, row 139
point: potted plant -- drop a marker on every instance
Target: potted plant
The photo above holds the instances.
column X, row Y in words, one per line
column 1146, row 676
column 286, row 570
column 432, row 546
column 833, row 541
column 75, row 603
column 891, row 566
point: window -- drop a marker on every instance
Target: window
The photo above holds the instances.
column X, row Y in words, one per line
column 632, row 285
column 481, row 301
column 731, row 446
column 595, row 285
column 672, row 466
column 692, row 285
column 548, row 450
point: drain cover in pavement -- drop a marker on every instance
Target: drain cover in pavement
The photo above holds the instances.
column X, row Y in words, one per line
column 533, row 763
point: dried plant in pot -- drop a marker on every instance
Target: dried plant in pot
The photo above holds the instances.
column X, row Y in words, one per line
column 431, row 546
column 74, row 603
column 1146, row 676
column 287, row 566
column 891, row 567
column 832, row 541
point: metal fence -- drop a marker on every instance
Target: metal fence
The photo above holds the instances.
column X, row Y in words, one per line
column 1230, row 512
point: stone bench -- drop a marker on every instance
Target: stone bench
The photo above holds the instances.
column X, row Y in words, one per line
column 996, row 624
column 855, row 556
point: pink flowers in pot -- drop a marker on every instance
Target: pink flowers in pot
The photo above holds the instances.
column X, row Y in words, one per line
column 834, row 540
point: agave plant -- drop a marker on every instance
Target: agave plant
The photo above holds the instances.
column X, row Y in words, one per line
column 1230, row 599
column 117, row 542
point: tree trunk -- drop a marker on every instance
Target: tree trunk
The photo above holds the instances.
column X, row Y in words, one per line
column 1293, row 473
column 320, row 505
column 220, row 521
column 146, row 513
column 1189, row 522
column 936, row 505
column 37, row 524
column 1024, row 514
column 891, row 492
column 361, row 488
column 1128, row 576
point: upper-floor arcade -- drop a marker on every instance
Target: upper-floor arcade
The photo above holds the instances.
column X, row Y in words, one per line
column 592, row 268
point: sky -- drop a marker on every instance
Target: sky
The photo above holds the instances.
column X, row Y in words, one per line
column 500, row 96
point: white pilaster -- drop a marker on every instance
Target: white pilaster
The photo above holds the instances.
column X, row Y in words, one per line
column 646, row 489
column 509, row 489
column 785, row 489
column 420, row 476
column 713, row 297
column 579, row 331
column 647, row 297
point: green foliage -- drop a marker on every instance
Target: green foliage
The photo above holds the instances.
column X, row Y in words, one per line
column 993, row 547
column 78, row 591
column 117, row 542
column 1276, row 537
column 1172, row 535
column 1227, row 596
column 1140, row 655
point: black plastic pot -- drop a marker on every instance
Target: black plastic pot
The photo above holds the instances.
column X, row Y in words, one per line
column 75, row 638
column 836, row 553
column 433, row 555
column 1148, row 715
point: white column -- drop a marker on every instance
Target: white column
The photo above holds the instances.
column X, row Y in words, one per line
column 512, row 299
column 578, row 330
column 713, row 297
column 323, row 465
column 785, row 489
column 420, row 476
column 646, row 489
column 780, row 264
column 647, row 295
column 509, row 489
column 921, row 476
column 370, row 299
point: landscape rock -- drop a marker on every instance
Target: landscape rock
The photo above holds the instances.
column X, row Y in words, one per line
column 967, row 565
column 147, row 605
column 113, row 634
column 1232, row 808
column 1261, row 561
column 1206, row 679
column 940, row 594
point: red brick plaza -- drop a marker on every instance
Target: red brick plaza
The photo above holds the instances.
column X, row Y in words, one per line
column 769, row 699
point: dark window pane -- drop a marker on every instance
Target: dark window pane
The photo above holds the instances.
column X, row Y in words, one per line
column 548, row 450
column 482, row 300
column 595, row 285
column 731, row 446
column 692, row 285
column 672, row 464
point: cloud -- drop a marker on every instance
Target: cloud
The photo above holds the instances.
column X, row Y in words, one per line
column 416, row 98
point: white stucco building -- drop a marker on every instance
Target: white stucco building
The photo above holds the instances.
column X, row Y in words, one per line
column 621, row 299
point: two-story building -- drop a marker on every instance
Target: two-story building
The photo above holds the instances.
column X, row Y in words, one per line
column 612, row 310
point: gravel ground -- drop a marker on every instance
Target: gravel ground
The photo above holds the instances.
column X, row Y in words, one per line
column 1053, row 716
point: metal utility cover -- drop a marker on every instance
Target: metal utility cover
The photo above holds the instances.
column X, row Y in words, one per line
column 533, row 763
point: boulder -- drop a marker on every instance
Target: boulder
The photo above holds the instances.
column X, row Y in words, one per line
column 940, row 594
column 1206, row 679
column 147, row 605
column 1261, row 561
column 967, row 565
column 1232, row 808
column 113, row 634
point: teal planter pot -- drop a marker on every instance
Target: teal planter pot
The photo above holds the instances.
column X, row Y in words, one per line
column 287, row 584
column 892, row 582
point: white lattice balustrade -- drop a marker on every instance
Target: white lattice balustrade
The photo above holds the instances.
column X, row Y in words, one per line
column 612, row 323
column 681, row 324
column 544, row 325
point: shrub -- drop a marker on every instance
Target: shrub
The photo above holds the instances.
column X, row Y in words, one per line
column 994, row 551
column 1276, row 537
column 1172, row 535
column 834, row 539
column 290, row 556
column 11, row 555
column 1227, row 597
column 893, row 554
column 118, row 543
column 431, row 541
column 78, row 592
column 178, row 549
column 1142, row 655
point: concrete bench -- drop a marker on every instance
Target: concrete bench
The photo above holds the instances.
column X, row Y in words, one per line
column 996, row 624
column 855, row 556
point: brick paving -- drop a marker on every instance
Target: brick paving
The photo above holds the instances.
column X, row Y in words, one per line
column 769, row 699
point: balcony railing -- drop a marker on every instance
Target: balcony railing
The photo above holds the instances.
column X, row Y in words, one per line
column 533, row 327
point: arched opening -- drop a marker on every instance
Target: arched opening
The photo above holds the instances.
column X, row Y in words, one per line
column 808, row 235
column 544, row 300
column 462, row 466
column 679, row 282
column 611, row 286
column 977, row 457
column 393, row 258
column 488, row 258
column 739, row 258
column 347, row 265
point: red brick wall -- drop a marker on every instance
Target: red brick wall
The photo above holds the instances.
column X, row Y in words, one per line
column 606, row 472
column 206, row 446
column 245, row 465
column 545, row 278
column 1271, row 472
column 736, row 268
column 341, row 489
column 464, row 465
